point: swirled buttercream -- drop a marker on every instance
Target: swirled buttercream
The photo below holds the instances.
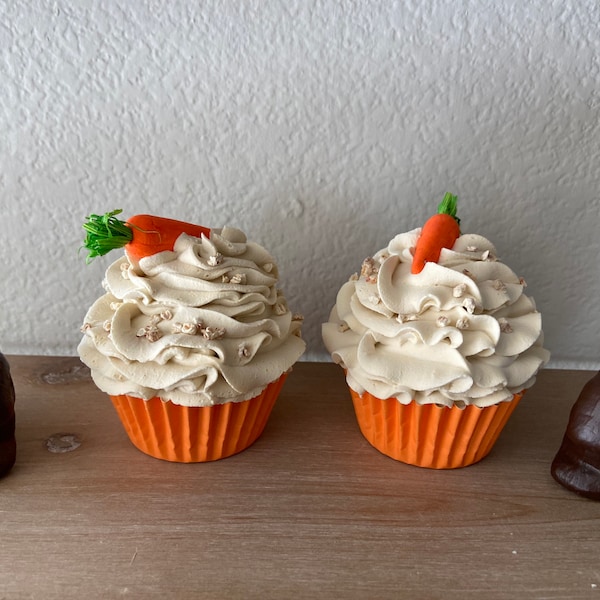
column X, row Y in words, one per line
column 200, row 325
column 460, row 332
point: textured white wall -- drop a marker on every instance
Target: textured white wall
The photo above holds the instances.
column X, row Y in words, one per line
column 320, row 128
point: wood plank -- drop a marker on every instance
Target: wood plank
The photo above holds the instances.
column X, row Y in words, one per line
column 309, row 510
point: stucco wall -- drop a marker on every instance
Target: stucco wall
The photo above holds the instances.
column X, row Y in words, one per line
column 320, row 128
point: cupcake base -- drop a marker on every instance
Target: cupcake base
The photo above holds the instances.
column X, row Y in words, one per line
column 195, row 434
column 429, row 435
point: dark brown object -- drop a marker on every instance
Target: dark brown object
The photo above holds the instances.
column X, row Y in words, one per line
column 577, row 463
column 8, row 444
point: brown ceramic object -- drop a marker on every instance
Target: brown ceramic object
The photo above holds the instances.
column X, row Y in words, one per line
column 577, row 463
column 8, row 445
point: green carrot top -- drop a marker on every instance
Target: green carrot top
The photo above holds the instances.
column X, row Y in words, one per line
column 448, row 206
column 105, row 233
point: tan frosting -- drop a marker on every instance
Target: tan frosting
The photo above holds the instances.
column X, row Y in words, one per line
column 460, row 332
column 204, row 324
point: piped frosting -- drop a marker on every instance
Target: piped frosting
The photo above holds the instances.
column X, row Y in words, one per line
column 460, row 332
column 201, row 325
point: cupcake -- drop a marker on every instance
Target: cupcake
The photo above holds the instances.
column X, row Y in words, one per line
column 438, row 341
column 192, row 339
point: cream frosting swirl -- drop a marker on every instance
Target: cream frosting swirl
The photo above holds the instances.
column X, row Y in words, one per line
column 200, row 325
column 461, row 332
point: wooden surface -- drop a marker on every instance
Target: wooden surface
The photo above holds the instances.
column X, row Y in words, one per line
column 310, row 511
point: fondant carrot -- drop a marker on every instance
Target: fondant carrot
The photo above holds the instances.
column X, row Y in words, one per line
column 140, row 235
column 440, row 231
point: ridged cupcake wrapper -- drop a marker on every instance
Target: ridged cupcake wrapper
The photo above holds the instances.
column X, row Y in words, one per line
column 195, row 434
column 429, row 435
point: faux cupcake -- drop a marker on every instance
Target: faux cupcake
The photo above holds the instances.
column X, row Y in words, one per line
column 192, row 339
column 438, row 341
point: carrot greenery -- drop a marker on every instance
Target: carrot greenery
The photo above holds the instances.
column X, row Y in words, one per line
column 141, row 235
column 440, row 231
column 105, row 233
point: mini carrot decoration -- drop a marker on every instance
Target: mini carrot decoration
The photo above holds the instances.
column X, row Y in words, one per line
column 440, row 231
column 140, row 235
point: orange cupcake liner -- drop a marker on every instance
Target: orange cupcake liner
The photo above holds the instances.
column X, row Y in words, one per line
column 429, row 435
column 195, row 434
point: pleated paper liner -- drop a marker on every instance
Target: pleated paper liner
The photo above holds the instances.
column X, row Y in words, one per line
column 195, row 434
column 429, row 435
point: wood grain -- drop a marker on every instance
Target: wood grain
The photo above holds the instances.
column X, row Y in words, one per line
column 310, row 510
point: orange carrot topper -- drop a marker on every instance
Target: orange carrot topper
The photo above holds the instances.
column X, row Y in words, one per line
column 440, row 231
column 140, row 235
